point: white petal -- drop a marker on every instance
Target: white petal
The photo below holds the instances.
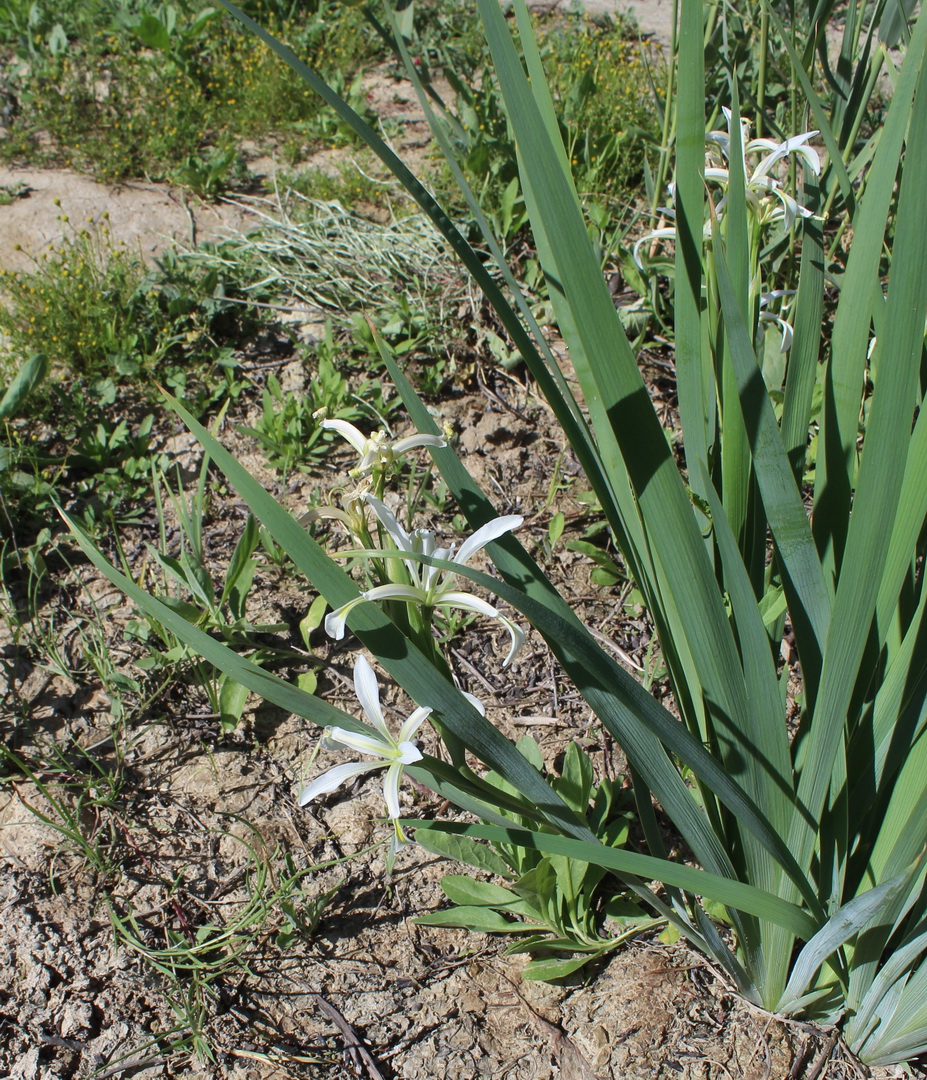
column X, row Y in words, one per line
column 794, row 145
column 399, row 840
column 657, row 234
column 361, row 743
column 761, row 144
column 723, row 141
column 411, row 442
column 518, row 638
column 388, row 520
column 722, row 175
column 409, row 753
column 335, row 777
column 368, row 694
column 348, row 431
column 492, row 530
column 325, row 513
column 423, row 541
column 792, row 209
column 475, row 702
column 469, row 602
column 391, row 790
column 396, row 591
column 335, row 620
column 411, row 726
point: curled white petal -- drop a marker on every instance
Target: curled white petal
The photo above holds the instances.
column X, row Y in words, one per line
column 468, row 602
column 475, row 702
column 517, row 635
column 412, row 442
column 325, row 513
column 786, row 327
column 335, row 620
column 656, row 234
column 398, row 841
column 721, row 175
column 492, row 530
column 348, row 431
column 334, row 778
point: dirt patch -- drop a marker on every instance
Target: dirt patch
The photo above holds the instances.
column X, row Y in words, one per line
column 147, row 217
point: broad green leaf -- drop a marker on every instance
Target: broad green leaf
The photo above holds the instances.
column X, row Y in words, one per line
column 466, row 891
column 464, row 850
column 153, row 33
column 480, row 920
column 232, row 699
column 29, row 376
column 553, row 968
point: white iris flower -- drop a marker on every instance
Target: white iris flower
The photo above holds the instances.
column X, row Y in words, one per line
column 388, row 751
column 430, row 587
column 378, row 451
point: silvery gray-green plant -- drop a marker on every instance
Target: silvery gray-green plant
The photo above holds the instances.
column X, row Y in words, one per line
column 813, row 838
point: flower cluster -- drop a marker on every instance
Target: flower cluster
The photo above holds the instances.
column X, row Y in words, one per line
column 378, row 454
column 767, row 200
column 428, row 586
column 411, row 581
column 766, row 195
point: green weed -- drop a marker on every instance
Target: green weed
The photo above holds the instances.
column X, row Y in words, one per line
column 549, row 904
column 180, row 86
column 601, row 86
column 289, row 428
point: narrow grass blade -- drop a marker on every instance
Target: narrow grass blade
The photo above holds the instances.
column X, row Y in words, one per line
column 801, row 373
column 694, row 378
column 809, row 601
